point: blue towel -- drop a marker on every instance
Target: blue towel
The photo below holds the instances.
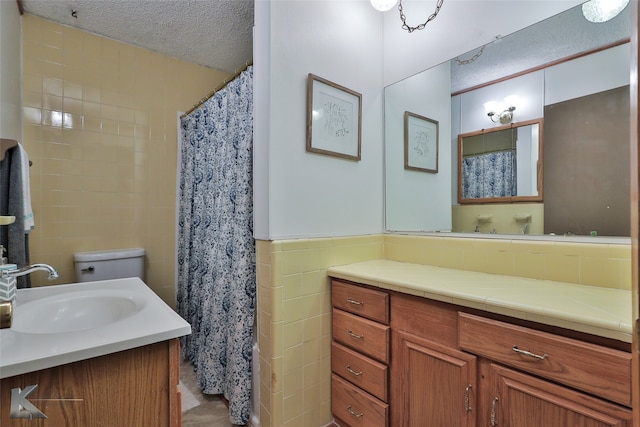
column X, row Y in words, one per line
column 13, row 236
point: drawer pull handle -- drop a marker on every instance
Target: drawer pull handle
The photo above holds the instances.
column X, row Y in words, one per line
column 360, row 337
column 351, row 371
column 528, row 353
column 467, row 406
column 354, row 302
column 494, row 423
column 352, row 412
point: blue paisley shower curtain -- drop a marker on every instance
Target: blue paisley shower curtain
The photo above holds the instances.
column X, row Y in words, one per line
column 489, row 175
column 216, row 250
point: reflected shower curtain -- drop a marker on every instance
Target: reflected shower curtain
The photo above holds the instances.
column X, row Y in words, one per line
column 489, row 175
column 216, row 250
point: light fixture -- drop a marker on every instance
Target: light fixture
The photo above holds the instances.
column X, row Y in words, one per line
column 602, row 10
column 385, row 5
column 492, row 109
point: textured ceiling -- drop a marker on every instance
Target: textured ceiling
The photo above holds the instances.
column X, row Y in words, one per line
column 560, row 36
column 214, row 33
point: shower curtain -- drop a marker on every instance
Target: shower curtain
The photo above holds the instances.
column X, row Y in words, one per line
column 216, row 250
column 489, row 175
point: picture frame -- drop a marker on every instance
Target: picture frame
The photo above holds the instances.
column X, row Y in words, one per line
column 334, row 119
column 421, row 143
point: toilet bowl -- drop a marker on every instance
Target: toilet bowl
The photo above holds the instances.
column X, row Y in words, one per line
column 111, row 264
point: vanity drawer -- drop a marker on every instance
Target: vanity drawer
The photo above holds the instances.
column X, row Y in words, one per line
column 592, row 368
column 364, row 302
column 366, row 373
column 363, row 335
column 356, row 408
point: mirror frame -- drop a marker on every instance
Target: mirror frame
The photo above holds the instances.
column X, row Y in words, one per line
column 512, row 199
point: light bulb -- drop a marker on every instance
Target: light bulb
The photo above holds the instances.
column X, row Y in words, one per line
column 603, row 10
column 383, row 5
column 490, row 107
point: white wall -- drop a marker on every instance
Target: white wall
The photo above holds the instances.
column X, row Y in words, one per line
column 11, row 76
column 300, row 194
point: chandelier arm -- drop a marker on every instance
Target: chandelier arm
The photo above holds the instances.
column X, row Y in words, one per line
column 411, row 29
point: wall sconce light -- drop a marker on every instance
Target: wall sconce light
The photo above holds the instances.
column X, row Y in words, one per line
column 385, row 5
column 603, row 10
column 492, row 109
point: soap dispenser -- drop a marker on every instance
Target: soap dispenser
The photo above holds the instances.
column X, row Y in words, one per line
column 7, row 283
column 4, row 263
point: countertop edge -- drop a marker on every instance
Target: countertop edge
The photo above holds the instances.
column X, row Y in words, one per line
column 89, row 353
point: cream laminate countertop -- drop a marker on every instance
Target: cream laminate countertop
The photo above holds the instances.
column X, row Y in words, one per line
column 595, row 310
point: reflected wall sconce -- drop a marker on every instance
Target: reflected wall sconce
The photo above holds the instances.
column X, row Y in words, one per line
column 603, row 10
column 385, row 5
column 492, row 108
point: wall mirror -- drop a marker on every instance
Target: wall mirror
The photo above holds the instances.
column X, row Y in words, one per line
column 501, row 165
column 568, row 73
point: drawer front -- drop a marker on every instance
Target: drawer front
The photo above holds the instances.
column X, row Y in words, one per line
column 592, row 368
column 366, row 373
column 355, row 408
column 364, row 302
column 363, row 335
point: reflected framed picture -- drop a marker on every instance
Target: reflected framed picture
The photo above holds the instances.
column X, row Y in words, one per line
column 420, row 143
column 334, row 119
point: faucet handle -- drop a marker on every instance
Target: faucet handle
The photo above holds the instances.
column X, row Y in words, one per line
column 6, row 314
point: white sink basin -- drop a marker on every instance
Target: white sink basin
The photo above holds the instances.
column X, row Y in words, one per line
column 59, row 324
column 72, row 312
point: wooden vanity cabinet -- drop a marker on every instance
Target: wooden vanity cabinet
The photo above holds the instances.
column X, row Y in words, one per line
column 437, row 384
column 360, row 355
column 131, row 388
column 454, row 366
column 536, row 378
column 432, row 382
column 523, row 400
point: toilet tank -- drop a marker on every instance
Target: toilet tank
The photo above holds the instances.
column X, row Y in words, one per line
column 111, row 264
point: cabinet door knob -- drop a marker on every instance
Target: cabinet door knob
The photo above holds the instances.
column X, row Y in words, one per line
column 494, row 422
column 467, row 405
column 352, row 412
column 360, row 337
column 528, row 353
column 352, row 372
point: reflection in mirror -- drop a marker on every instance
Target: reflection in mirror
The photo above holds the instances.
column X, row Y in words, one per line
column 500, row 165
column 558, row 60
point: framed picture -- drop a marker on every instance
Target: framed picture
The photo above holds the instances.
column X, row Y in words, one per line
column 420, row 143
column 334, row 119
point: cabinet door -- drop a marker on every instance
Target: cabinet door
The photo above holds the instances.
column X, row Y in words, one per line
column 432, row 385
column 521, row 400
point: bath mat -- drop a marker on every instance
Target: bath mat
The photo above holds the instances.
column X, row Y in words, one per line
column 189, row 400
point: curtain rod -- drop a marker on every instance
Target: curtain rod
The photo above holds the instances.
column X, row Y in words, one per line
column 480, row 153
column 219, row 87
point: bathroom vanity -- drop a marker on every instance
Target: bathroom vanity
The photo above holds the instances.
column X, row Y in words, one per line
column 102, row 353
column 461, row 348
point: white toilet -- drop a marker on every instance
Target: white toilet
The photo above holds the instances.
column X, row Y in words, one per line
column 112, row 264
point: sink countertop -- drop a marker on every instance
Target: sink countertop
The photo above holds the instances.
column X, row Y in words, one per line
column 596, row 310
column 155, row 321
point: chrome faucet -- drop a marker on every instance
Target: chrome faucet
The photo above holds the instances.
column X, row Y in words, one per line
column 6, row 306
column 53, row 274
